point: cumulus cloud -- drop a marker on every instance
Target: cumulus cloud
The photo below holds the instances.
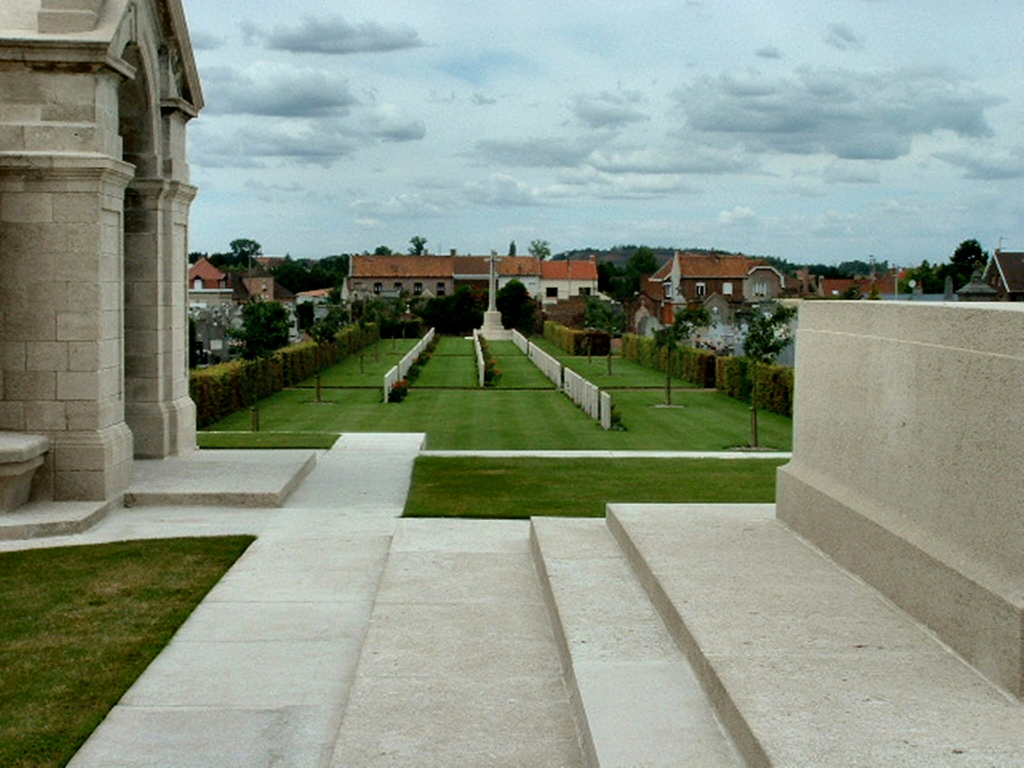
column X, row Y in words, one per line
column 534, row 153
column 768, row 52
column 386, row 122
column 842, row 37
column 608, row 110
column 336, row 35
column 277, row 90
column 851, row 115
column 321, row 143
column 205, row 41
column 740, row 215
column 406, row 205
column 653, row 160
column 482, row 100
column 991, row 166
column 501, row 190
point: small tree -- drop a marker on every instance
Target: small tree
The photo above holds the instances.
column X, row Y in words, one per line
column 517, row 307
column 512, row 248
column 417, row 245
column 540, row 249
column 768, row 333
column 265, row 328
column 324, row 332
column 668, row 338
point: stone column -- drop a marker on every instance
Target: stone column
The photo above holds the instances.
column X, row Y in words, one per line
column 492, row 327
column 61, row 315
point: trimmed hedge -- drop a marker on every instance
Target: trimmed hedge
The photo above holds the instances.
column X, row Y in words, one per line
column 731, row 375
column 574, row 342
column 694, row 365
column 220, row 390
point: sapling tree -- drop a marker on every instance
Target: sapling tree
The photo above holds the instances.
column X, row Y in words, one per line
column 324, row 332
column 668, row 338
column 265, row 328
column 768, row 333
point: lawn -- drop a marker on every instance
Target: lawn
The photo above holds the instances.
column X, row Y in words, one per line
column 625, row 373
column 378, row 359
column 493, row 419
column 78, row 625
column 523, row 412
column 525, row 487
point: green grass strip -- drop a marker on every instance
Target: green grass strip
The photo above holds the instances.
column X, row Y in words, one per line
column 476, row 487
column 230, row 440
column 78, row 625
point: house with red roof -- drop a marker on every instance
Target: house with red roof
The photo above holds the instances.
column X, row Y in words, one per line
column 565, row 279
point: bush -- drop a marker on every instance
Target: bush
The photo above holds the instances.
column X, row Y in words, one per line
column 220, row 390
column 694, row 365
column 578, row 343
column 492, row 374
column 398, row 391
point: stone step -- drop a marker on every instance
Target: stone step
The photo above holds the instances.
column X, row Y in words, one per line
column 805, row 664
column 53, row 518
column 635, row 698
column 459, row 666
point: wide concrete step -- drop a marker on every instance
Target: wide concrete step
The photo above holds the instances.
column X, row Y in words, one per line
column 459, row 666
column 635, row 698
column 805, row 664
column 52, row 518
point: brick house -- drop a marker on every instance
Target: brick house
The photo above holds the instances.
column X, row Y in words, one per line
column 564, row 279
column 1005, row 273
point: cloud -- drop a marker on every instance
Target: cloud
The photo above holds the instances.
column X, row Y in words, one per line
column 205, row 41
column 851, row 115
column 841, row 37
column 276, row 90
column 768, row 52
column 840, row 172
column 386, row 122
column 482, row 100
column 534, row 153
column 653, row 160
column 370, row 212
column 335, row 35
column 321, row 143
column 738, row 216
column 608, row 110
column 991, row 166
column 501, row 190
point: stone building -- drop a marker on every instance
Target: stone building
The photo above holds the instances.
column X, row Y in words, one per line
column 95, row 96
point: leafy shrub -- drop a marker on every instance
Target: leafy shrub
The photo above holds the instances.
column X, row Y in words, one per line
column 576, row 342
column 220, row 390
column 398, row 391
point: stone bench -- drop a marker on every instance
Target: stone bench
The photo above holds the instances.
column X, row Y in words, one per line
column 20, row 457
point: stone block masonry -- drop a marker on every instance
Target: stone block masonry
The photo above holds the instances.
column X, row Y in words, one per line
column 906, row 456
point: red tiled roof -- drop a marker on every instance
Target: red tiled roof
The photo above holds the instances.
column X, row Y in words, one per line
column 719, row 265
column 1011, row 269
column 561, row 270
column 205, row 271
column 318, row 293
column 402, row 266
column 511, row 266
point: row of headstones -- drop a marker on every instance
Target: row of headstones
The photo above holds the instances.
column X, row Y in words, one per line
column 585, row 394
column 398, row 372
column 479, row 357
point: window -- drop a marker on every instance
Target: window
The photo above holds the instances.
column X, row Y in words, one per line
column 727, row 289
column 417, row 288
column 668, row 290
column 585, row 291
column 700, row 289
column 761, row 288
column 378, row 288
column 198, row 283
column 551, row 292
column 398, row 287
column 440, row 289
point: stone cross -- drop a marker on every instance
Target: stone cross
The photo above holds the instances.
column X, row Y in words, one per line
column 492, row 302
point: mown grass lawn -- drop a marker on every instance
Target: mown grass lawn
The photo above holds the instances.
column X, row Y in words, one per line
column 625, row 373
column 500, row 419
column 377, row 360
column 477, row 487
column 78, row 625
column 452, row 366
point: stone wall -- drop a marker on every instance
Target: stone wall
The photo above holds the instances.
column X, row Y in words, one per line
column 907, row 450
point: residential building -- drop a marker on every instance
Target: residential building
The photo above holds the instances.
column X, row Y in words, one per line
column 694, row 277
column 389, row 276
column 564, row 279
column 1005, row 273
column 208, row 286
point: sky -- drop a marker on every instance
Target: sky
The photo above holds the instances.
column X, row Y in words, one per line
column 811, row 130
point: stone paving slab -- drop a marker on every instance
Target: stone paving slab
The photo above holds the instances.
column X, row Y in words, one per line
column 637, row 701
column 220, row 478
column 459, row 666
column 805, row 664
column 42, row 519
